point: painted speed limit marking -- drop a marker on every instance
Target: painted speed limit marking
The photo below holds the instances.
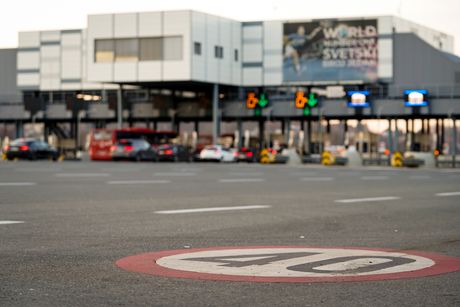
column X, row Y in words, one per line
column 290, row 264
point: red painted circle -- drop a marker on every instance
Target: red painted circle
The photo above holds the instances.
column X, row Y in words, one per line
column 147, row 263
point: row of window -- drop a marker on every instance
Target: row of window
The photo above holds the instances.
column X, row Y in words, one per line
column 138, row 49
column 218, row 51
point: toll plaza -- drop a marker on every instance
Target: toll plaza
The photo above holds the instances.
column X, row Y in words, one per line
column 286, row 84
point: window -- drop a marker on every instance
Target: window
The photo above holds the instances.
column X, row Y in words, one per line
column 236, row 55
column 197, row 48
column 104, row 50
column 139, row 49
column 151, row 49
column 126, row 50
column 172, row 48
column 219, row 52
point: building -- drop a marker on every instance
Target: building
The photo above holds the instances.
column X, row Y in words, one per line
column 186, row 70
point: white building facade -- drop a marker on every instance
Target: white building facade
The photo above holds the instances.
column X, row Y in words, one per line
column 181, row 46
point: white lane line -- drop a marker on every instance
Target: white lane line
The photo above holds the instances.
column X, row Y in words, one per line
column 38, row 170
column 374, row 177
column 303, row 173
column 178, row 174
column 241, row 180
column 210, row 209
column 10, row 222
column 448, row 194
column 245, row 174
column 317, row 178
column 450, row 171
column 419, row 177
column 362, row 200
column 16, row 184
column 138, row 181
column 81, row 175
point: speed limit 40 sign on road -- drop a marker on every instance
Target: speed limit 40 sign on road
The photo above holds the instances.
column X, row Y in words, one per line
column 290, row 264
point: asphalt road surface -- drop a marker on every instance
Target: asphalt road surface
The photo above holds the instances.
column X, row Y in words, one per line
column 63, row 226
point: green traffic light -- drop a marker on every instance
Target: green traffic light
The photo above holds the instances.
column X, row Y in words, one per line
column 263, row 101
column 306, row 111
column 312, row 100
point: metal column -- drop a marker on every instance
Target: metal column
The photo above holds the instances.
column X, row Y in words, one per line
column 390, row 136
column 239, row 127
column 215, row 114
column 120, row 107
column 454, row 142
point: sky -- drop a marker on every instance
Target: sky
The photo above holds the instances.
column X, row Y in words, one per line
column 33, row 15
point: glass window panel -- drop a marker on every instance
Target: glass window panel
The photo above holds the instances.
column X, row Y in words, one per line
column 126, row 50
column 151, row 49
column 172, row 50
column 197, row 48
column 104, row 50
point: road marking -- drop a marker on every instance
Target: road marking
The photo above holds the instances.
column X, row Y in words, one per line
column 301, row 264
column 450, row 171
column 317, row 178
column 419, row 177
column 241, row 180
column 16, row 184
column 38, row 170
column 362, row 200
column 448, row 194
column 179, row 211
column 138, row 181
column 178, row 174
column 82, row 175
column 245, row 174
column 10, row 222
column 303, row 173
column 374, row 177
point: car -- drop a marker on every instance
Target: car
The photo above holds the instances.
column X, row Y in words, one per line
column 173, row 152
column 30, row 149
column 218, row 153
column 133, row 149
column 246, row 155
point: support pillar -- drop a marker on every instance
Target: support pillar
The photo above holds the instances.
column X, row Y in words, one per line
column 215, row 114
column 239, row 127
column 19, row 129
column 390, row 136
column 442, row 136
column 120, row 107
column 197, row 127
column 286, row 130
column 454, row 142
column 261, row 133
column 308, row 137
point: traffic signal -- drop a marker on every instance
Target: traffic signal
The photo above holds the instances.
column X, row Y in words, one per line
column 251, row 100
column 256, row 103
column 305, row 103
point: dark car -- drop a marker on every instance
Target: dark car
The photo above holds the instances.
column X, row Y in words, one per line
column 246, row 155
column 133, row 149
column 173, row 152
column 31, row 149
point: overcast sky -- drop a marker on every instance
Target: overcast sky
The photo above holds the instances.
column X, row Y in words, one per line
column 27, row 15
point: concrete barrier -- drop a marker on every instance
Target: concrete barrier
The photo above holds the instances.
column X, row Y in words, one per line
column 427, row 158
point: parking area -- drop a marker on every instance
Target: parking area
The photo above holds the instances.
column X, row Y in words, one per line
column 65, row 225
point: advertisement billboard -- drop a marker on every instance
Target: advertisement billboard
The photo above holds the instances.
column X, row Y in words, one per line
column 330, row 50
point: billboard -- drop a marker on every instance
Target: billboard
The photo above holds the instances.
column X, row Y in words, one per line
column 330, row 50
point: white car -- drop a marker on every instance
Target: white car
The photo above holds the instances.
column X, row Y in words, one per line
column 218, row 153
